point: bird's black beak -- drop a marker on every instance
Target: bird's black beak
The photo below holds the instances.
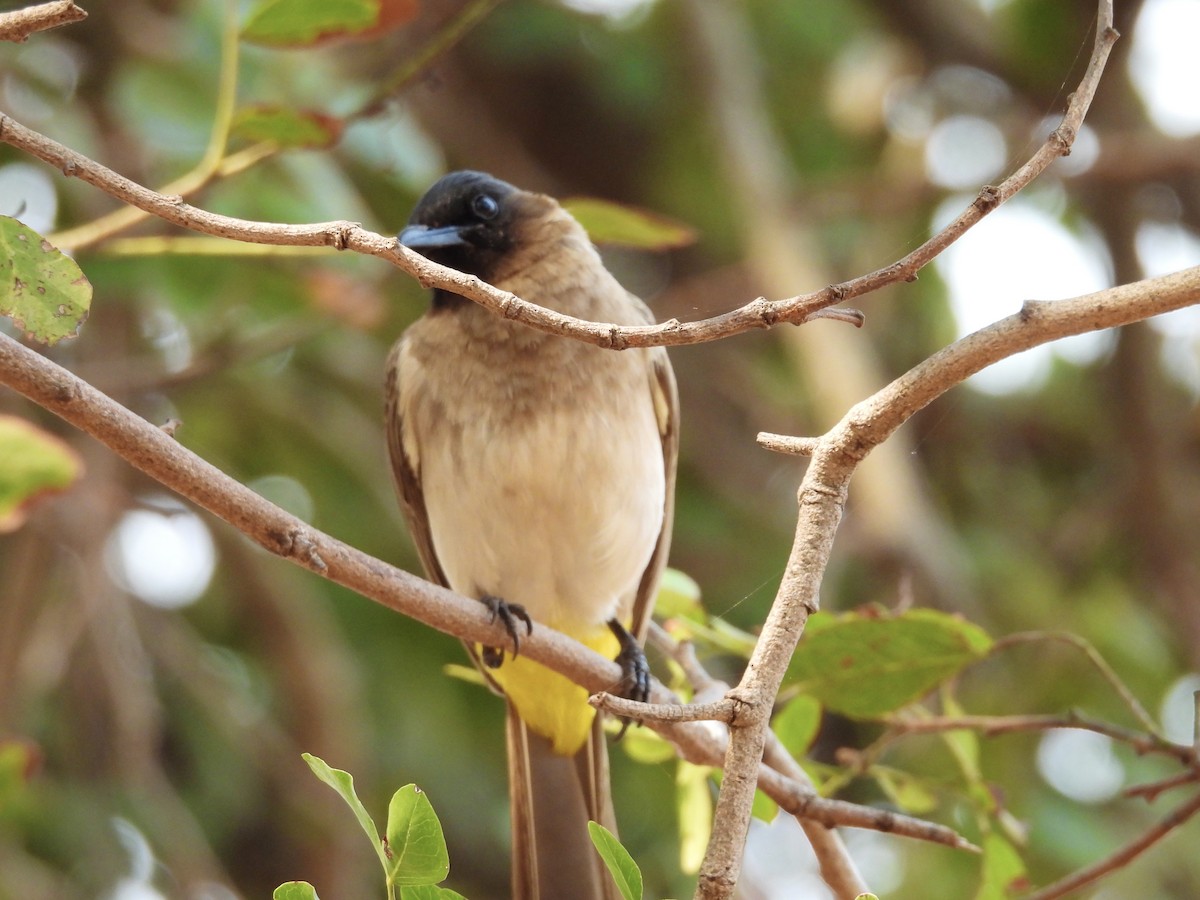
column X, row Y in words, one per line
column 422, row 237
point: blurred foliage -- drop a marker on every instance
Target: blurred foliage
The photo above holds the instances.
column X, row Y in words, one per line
column 1069, row 507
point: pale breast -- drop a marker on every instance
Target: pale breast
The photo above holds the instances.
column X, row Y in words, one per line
column 543, row 476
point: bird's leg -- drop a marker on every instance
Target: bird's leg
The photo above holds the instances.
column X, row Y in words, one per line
column 635, row 680
column 509, row 614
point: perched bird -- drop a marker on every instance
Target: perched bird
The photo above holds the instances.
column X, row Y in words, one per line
column 537, row 474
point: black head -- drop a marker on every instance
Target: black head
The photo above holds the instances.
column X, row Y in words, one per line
column 467, row 221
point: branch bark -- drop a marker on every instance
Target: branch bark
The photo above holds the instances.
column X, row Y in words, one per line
column 822, row 495
column 19, row 25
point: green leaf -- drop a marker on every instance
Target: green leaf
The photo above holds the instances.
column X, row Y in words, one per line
column 868, row 666
column 763, row 807
column 416, row 846
column 627, row 226
column 678, row 595
column 287, row 127
column 1003, row 869
column 797, row 724
column 301, row 23
column 295, row 890
column 621, row 866
column 695, row 806
column 908, row 792
column 646, row 746
column 428, row 892
column 33, row 463
column 44, row 292
column 19, row 759
column 343, row 783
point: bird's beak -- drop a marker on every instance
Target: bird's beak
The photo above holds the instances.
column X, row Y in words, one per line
column 422, row 237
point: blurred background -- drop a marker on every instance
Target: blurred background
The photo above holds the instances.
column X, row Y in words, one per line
column 160, row 675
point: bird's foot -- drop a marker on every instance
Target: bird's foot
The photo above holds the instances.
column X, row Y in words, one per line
column 510, row 614
column 635, row 677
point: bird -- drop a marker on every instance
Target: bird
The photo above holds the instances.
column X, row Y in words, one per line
column 537, row 475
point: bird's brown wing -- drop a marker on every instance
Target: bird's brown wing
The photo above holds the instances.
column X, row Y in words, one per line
column 405, row 475
column 666, row 406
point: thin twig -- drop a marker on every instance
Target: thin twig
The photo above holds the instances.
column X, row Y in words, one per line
column 1151, row 791
column 1099, row 662
column 784, row 443
column 17, row 26
column 990, row 726
column 724, row 711
column 1122, row 857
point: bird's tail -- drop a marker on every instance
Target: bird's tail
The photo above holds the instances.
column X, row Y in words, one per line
column 552, row 797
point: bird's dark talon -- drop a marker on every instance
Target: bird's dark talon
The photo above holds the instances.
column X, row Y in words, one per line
column 635, row 680
column 509, row 615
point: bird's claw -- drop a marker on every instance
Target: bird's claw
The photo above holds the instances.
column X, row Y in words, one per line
column 509, row 614
column 635, row 670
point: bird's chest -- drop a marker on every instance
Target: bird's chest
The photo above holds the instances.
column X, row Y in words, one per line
column 545, row 485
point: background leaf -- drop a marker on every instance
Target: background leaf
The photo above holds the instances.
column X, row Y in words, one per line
column 613, row 223
column 1003, row 869
column 286, row 127
column 797, row 724
column 695, row 808
column 299, row 23
column 33, row 464
column 44, row 292
column 867, row 666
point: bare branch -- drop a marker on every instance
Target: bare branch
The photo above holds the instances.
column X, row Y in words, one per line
column 1122, row 856
column 719, row 711
column 19, row 25
column 989, row 726
column 822, row 494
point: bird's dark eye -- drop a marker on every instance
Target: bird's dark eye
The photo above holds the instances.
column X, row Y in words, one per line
column 485, row 206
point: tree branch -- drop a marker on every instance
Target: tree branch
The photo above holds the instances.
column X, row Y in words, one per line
column 19, row 25
column 156, row 453
column 1123, row 856
column 822, row 494
column 1140, row 741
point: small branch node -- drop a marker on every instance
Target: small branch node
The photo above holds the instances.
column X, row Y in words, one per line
column 987, row 199
column 298, row 545
column 339, row 238
column 171, row 426
column 1063, row 137
column 509, row 307
column 766, row 312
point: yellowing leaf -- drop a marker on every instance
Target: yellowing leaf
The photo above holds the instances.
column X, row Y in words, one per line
column 44, row 292
column 287, row 127
column 33, row 464
column 300, row 23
